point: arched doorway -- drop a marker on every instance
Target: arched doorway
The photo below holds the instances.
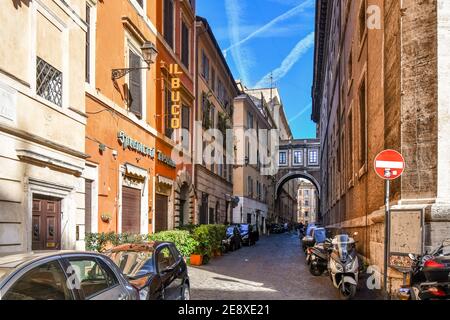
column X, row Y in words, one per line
column 280, row 207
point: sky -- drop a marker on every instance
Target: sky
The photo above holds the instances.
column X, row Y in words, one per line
column 261, row 38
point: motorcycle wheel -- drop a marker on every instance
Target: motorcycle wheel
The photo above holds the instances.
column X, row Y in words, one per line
column 347, row 291
column 315, row 271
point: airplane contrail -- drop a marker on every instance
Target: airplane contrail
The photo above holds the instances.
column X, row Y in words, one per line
column 299, row 50
column 233, row 12
column 294, row 11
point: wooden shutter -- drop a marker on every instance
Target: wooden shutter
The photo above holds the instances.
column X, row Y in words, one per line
column 161, row 212
column 135, row 91
column 168, row 22
column 88, row 207
column 168, row 107
column 185, row 44
column 131, row 210
column 185, row 116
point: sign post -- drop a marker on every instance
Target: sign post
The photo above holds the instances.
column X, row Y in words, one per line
column 389, row 165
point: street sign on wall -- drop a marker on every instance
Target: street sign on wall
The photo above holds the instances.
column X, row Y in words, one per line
column 389, row 164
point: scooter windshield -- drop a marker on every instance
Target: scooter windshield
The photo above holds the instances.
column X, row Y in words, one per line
column 342, row 246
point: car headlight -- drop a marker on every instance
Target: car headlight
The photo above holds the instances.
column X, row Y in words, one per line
column 143, row 293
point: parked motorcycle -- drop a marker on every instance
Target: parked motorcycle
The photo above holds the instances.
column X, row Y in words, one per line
column 343, row 266
column 317, row 257
column 429, row 276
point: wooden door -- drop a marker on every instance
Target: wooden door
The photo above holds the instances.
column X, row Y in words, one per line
column 131, row 210
column 161, row 212
column 46, row 224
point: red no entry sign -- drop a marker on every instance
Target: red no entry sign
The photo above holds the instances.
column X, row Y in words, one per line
column 389, row 164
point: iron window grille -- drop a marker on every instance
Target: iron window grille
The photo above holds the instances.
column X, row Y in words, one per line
column 48, row 82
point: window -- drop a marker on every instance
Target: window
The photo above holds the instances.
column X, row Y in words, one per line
column 205, row 66
column 350, row 146
column 48, row 82
column 306, row 203
column 213, row 80
column 205, row 112
column 135, row 85
column 313, row 157
column 249, row 120
column 298, row 157
column 88, row 44
column 249, row 218
column 212, row 117
column 362, row 124
column 168, row 102
column 185, row 124
column 141, row 3
column 185, row 117
column 306, row 193
column 45, row 282
column 249, row 186
column 283, row 158
column 165, row 259
column 168, row 22
column 185, row 45
column 92, row 277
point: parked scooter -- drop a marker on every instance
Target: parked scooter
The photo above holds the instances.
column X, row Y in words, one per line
column 317, row 257
column 430, row 276
column 343, row 266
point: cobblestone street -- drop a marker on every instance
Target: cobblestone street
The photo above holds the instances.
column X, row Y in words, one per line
column 272, row 269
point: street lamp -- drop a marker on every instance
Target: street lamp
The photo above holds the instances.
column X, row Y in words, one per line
column 149, row 53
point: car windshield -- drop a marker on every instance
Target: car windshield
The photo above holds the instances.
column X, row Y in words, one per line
column 244, row 227
column 4, row 272
column 134, row 264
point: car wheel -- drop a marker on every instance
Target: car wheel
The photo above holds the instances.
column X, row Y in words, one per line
column 186, row 292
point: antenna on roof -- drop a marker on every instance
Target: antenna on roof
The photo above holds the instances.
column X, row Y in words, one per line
column 271, row 86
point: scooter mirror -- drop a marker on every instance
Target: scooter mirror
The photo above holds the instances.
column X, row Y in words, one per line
column 411, row 256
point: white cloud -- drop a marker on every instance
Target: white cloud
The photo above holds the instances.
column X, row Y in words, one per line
column 240, row 56
column 299, row 50
column 232, row 4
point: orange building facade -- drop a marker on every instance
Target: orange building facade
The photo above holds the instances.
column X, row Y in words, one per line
column 174, row 191
column 120, row 106
column 139, row 172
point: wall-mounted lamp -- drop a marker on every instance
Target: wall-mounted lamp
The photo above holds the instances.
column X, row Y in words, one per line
column 149, row 53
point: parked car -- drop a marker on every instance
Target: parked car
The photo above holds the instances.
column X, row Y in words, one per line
column 62, row 275
column 233, row 239
column 156, row 269
column 247, row 234
column 313, row 236
column 276, row 228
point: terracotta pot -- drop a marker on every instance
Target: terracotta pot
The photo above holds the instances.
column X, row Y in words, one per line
column 196, row 260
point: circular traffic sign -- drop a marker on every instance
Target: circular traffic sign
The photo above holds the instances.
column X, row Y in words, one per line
column 389, row 164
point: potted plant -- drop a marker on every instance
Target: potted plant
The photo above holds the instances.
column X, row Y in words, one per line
column 203, row 249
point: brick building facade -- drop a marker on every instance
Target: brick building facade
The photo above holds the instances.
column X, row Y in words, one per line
column 380, row 83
